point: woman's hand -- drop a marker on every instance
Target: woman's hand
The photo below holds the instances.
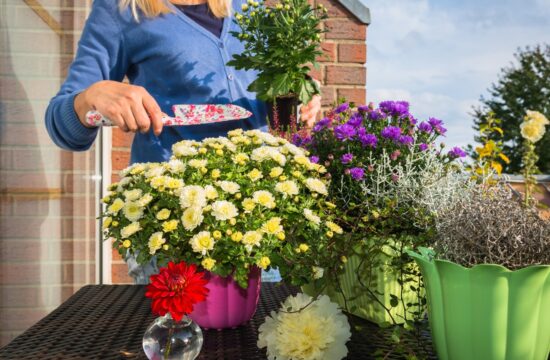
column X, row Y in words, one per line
column 309, row 111
column 129, row 107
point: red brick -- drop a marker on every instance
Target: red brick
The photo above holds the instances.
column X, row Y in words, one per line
column 357, row 96
column 329, row 52
column 335, row 9
column 119, row 273
column 318, row 74
column 122, row 139
column 120, row 159
column 346, row 75
column 345, row 29
column 355, row 53
column 328, row 96
column 115, row 255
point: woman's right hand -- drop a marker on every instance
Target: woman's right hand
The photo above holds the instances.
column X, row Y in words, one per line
column 129, row 107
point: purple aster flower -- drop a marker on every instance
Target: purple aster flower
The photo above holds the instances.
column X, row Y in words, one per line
column 425, row 127
column 423, row 147
column 314, row 159
column 357, row 173
column 363, row 108
column 456, row 152
column 406, row 140
column 437, row 126
column 391, row 132
column 341, row 108
column 375, row 115
column 366, row 138
column 356, row 120
column 344, row 132
column 321, row 124
column 346, row 158
column 395, row 108
column 412, row 120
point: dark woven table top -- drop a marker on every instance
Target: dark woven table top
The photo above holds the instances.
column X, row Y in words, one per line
column 108, row 322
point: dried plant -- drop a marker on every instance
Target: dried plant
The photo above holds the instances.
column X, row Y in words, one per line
column 490, row 225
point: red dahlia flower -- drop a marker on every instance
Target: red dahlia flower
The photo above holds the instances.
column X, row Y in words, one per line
column 176, row 289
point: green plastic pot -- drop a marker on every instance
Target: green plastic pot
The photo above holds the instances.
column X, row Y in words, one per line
column 487, row 312
column 383, row 282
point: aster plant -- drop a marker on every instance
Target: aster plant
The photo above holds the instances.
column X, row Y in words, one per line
column 386, row 169
column 227, row 204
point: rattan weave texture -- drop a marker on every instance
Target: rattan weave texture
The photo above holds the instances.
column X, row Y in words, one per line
column 108, row 322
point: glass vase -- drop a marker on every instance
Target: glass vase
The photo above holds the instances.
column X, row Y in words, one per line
column 169, row 339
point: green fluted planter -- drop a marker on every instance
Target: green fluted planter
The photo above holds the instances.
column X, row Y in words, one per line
column 487, row 312
column 358, row 302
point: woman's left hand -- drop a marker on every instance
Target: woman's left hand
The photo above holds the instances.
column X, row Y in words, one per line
column 309, row 111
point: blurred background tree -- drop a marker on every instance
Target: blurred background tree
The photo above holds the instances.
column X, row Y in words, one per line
column 524, row 85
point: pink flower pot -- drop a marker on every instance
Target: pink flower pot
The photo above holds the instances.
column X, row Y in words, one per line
column 228, row 305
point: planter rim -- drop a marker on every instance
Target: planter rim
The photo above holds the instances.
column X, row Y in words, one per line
column 478, row 267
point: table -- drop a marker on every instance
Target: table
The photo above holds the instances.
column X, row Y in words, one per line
column 108, row 322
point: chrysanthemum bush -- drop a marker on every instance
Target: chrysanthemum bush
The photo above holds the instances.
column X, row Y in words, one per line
column 386, row 169
column 227, row 204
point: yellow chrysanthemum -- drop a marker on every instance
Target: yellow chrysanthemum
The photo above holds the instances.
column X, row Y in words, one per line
column 163, row 214
column 288, row 188
column 137, row 169
column 281, row 236
column 170, row 225
column 210, row 192
column 107, row 222
column 130, row 230
column 115, row 207
column 175, row 166
column 318, row 272
column 229, row 187
column 132, row 195
column 536, row 117
column 235, row 132
column 264, row 198
column 126, row 243
column 334, row 227
column 264, row 262
column 145, row 200
column 216, row 173
column 217, row 234
column 275, row 172
column 192, row 196
column 303, row 247
column 272, row 226
column 532, row 130
column 310, row 215
column 248, row 205
column 251, row 239
column 241, row 158
column 172, row 183
column 208, row 263
column 329, row 233
column 133, row 210
column 155, row 242
column 182, row 149
column 191, row 218
column 316, row 185
column 255, row 175
column 224, row 210
column 197, row 163
column 237, row 236
column 202, row 242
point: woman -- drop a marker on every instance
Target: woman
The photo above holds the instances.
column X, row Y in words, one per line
column 172, row 53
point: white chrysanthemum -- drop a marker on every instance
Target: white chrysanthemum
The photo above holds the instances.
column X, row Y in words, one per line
column 318, row 331
column 318, row 272
column 316, row 185
column 302, row 160
column 130, row 230
column 211, row 192
column 198, row 163
column 532, row 130
column 536, row 117
column 272, row 226
column 191, row 218
column 192, row 195
column 229, row 187
column 310, row 215
column 236, row 132
column 182, row 149
column 224, row 210
column 145, row 199
column 202, row 242
column 261, row 153
column 293, row 149
column 264, row 198
column 116, row 206
column 288, row 188
column 267, row 138
column 155, row 242
column 132, row 195
column 251, row 239
column 133, row 210
column 175, row 166
column 154, row 170
column 122, row 183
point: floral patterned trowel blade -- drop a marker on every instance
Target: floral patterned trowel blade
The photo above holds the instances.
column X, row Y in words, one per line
column 186, row 115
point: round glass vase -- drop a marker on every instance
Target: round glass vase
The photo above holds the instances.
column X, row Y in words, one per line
column 175, row 340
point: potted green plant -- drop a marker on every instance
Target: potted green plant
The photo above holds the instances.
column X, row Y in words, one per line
column 281, row 43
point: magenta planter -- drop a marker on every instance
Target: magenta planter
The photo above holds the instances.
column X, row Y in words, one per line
column 228, row 305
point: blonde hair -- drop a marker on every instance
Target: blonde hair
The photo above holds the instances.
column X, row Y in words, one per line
column 154, row 8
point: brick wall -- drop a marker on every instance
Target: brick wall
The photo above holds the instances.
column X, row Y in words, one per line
column 47, row 200
column 342, row 73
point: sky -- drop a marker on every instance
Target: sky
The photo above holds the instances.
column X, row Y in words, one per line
column 441, row 55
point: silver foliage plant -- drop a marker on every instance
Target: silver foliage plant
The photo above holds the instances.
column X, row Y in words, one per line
column 491, row 225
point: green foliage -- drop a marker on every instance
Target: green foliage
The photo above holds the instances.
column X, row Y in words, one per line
column 280, row 42
column 522, row 86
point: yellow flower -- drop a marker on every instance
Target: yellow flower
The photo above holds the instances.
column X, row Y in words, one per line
column 202, row 242
column 229, row 186
column 297, row 174
column 344, row 259
column 115, row 223
column 317, row 272
column 532, row 130
column 330, row 234
column 115, row 207
column 165, row 247
column 275, row 172
column 248, row 205
column 235, row 132
column 282, row 177
column 264, row 262
column 137, row 169
column 106, row 199
column 126, row 243
column 216, row 173
column 224, row 210
column 172, row 183
column 251, row 238
column 309, row 215
column 330, row 205
column 210, row 192
column 132, row 195
column 237, row 236
column 163, row 214
column 241, row 158
column 288, row 188
column 208, row 263
column 133, row 211
column 302, row 160
column 130, row 230
column 145, row 200
column 203, row 170
column 229, row 232
column 197, row 163
column 219, row 152
column 281, row 236
column 304, row 247
column 238, row 196
column 217, row 234
column 334, row 227
column 155, row 242
column 232, row 221
column 191, row 218
column 272, row 226
column 175, row 166
column 182, row 149
column 536, row 117
column 192, row 196
column 202, row 150
column 107, row 222
column 168, row 226
column 264, row 198
column 316, row 185
column 255, row 174
column 244, row 7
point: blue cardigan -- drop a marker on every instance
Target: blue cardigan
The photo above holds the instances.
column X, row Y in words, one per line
column 176, row 60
